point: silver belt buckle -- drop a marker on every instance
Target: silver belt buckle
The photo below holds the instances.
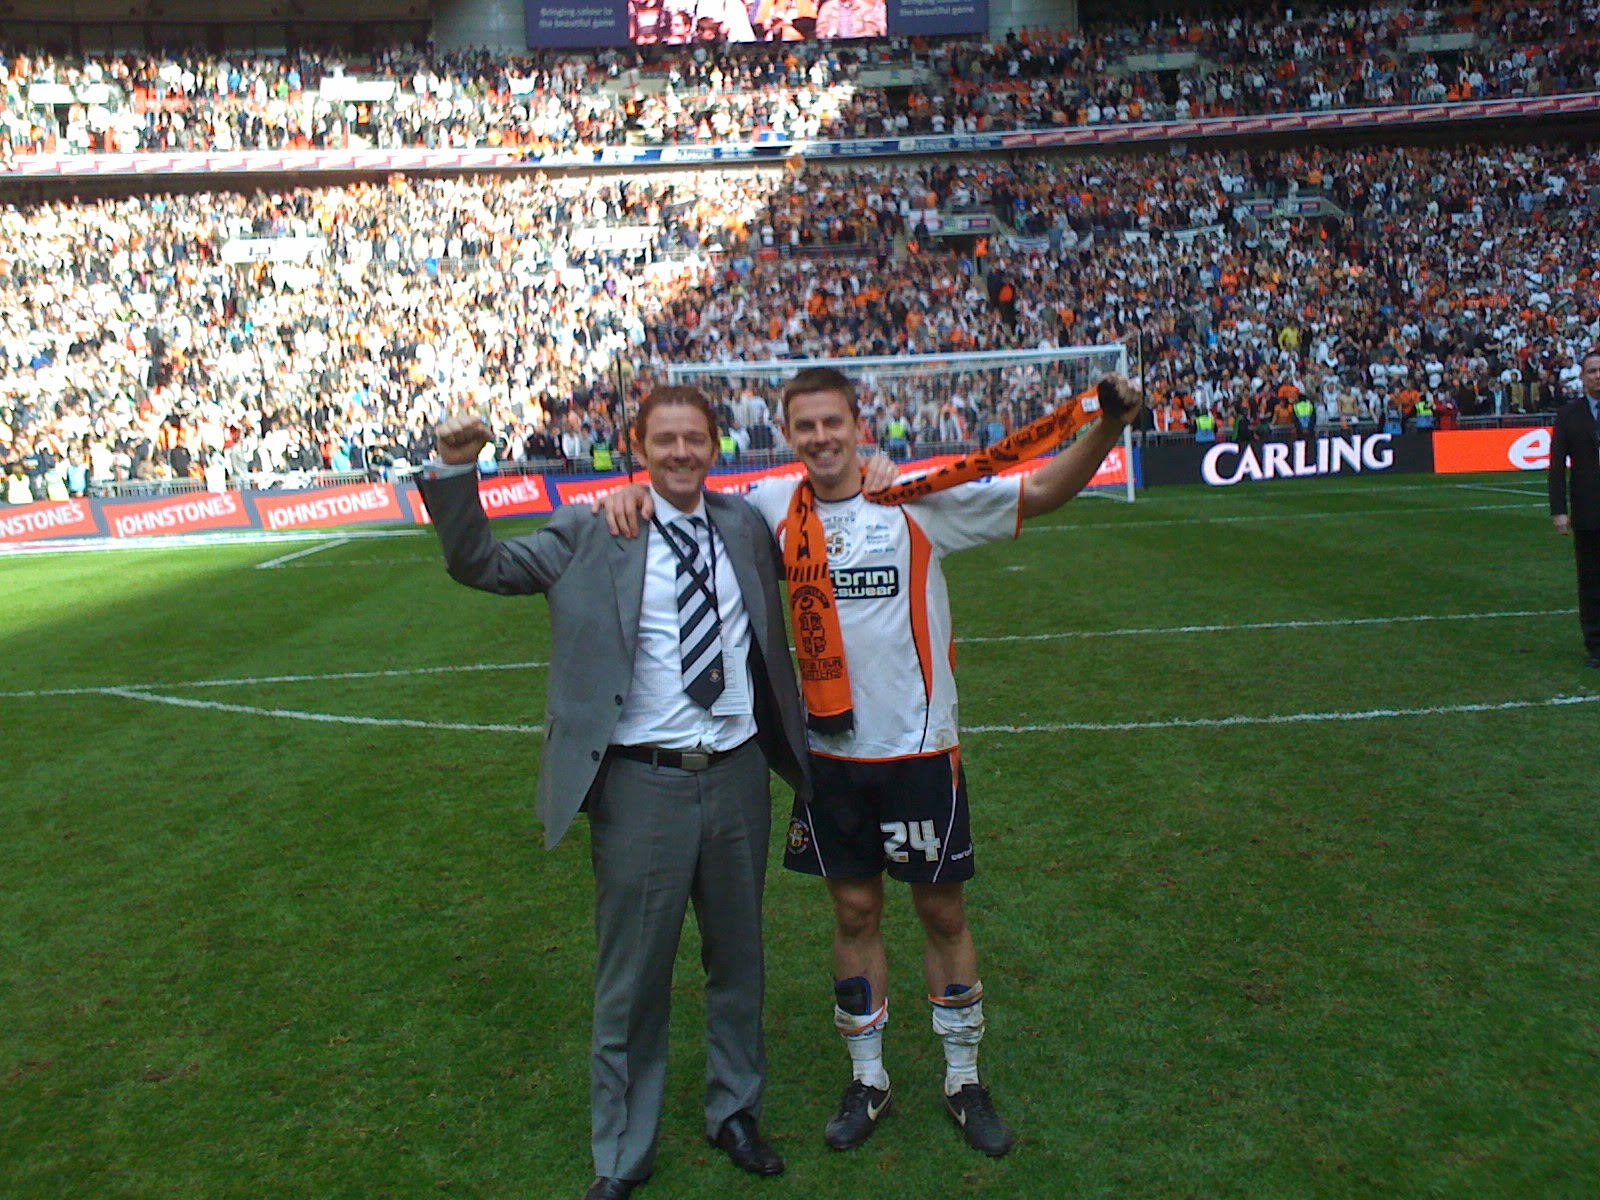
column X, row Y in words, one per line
column 696, row 760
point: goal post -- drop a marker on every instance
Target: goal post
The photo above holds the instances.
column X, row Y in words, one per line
column 952, row 403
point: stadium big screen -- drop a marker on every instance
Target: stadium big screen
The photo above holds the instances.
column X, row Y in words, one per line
column 591, row 24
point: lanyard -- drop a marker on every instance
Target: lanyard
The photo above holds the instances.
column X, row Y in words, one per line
column 705, row 580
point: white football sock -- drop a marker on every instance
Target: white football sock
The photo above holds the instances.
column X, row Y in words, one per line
column 958, row 1020
column 863, row 1037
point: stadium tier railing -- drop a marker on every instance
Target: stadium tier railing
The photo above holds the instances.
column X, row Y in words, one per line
column 1316, row 122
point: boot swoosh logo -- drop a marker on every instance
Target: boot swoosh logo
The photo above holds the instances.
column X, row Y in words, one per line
column 874, row 1109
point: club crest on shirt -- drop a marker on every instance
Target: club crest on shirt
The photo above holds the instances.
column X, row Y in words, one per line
column 799, row 836
column 836, row 544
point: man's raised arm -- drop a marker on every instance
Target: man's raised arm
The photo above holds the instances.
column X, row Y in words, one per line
column 1069, row 472
column 473, row 555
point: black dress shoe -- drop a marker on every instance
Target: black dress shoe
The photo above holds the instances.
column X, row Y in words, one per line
column 741, row 1141
column 606, row 1188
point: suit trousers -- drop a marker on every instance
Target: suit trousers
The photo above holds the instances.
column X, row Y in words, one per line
column 1586, row 543
column 661, row 840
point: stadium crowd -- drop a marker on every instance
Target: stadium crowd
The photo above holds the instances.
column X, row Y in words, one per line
column 135, row 348
column 548, row 103
column 1466, row 276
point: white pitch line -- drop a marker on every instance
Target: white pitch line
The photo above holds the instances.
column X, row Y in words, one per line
column 1360, row 488
column 252, row 681
column 354, row 562
column 1253, row 518
column 175, row 541
column 317, row 549
column 195, row 541
column 387, row 673
column 1253, row 626
column 295, row 714
column 1257, row 518
column 1371, row 714
column 1068, row 635
column 1488, row 487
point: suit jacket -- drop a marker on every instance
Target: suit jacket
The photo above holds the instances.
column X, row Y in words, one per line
column 594, row 583
column 1574, row 436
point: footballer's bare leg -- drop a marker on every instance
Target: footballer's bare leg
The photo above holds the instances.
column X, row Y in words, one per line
column 858, row 932
column 949, row 957
column 950, row 962
column 860, row 1007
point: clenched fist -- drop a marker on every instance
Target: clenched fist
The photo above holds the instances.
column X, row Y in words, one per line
column 461, row 437
column 1120, row 401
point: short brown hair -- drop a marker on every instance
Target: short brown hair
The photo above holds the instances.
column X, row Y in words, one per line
column 668, row 394
column 821, row 379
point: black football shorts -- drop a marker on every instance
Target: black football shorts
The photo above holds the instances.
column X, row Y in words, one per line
column 906, row 816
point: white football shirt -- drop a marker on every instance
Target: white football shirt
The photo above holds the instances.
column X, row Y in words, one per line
column 894, row 608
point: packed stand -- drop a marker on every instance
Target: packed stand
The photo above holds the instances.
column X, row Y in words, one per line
column 133, row 353
column 1459, row 281
column 552, row 103
column 1466, row 281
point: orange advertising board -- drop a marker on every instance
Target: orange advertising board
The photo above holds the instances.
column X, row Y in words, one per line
column 48, row 519
column 328, row 507
column 1460, row 451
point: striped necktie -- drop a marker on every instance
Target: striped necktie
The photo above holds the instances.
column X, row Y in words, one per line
column 699, row 623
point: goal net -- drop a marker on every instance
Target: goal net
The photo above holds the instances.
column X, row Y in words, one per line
column 943, row 404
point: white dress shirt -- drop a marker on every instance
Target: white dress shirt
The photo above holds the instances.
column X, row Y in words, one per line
column 656, row 711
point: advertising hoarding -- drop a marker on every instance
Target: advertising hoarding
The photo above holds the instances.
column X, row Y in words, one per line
column 48, row 519
column 326, row 508
column 1460, row 451
column 1228, row 464
column 190, row 512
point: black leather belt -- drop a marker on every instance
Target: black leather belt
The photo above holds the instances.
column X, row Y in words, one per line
column 682, row 760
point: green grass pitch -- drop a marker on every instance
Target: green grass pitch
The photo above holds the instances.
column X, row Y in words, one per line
column 1285, row 800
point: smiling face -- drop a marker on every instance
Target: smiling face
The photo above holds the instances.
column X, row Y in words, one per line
column 825, row 435
column 677, row 446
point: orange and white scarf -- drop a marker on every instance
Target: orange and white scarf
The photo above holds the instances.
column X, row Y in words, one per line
column 818, row 638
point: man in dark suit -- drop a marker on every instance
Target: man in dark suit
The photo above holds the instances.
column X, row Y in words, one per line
column 1575, row 458
column 671, row 692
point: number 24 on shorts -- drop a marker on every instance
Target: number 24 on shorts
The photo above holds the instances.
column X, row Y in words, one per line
column 920, row 834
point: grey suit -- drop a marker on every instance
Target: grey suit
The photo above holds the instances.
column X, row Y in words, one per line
column 661, row 838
